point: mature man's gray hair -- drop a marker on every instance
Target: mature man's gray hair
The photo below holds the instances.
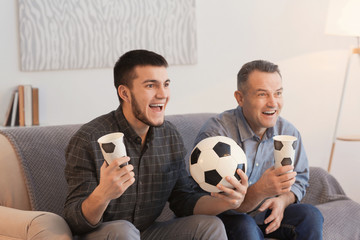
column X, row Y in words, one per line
column 259, row 65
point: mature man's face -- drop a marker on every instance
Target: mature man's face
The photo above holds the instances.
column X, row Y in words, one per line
column 261, row 100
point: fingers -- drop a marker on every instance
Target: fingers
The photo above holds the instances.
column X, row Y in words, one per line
column 119, row 161
column 126, row 180
column 103, row 166
column 287, row 168
column 276, row 216
column 232, row 199
column 233, row 196
column 274, row 219
column 113, row 173
column 265, row 205
column 239, row 186
column 243, row 177
column 286, row 181
column 273, row 226
column 287, row 176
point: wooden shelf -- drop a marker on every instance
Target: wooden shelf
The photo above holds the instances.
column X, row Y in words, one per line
column 350, row 138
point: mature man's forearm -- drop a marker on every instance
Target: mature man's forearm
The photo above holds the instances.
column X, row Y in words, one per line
column 252, row 199
column 288, row 198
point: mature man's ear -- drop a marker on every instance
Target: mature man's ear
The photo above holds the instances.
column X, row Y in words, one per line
column 124, row 93
column 239, row 96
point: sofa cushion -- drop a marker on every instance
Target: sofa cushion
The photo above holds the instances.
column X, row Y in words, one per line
column 341, row 219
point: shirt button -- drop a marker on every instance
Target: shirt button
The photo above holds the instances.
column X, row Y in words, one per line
column 250, row 182
column 257, row 164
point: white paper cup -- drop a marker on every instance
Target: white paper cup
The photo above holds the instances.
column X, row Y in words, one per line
column 284, row 150
column 112, row 146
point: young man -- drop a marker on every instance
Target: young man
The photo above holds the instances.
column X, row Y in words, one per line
column 109, row 202
column 273, row 196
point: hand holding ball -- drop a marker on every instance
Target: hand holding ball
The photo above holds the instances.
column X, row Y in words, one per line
column 213, row 159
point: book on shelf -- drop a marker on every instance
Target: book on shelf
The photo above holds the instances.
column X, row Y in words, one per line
column 15, row 112
column 28, row 105
column 23, row 107
column 7, row 121
column 35, row 106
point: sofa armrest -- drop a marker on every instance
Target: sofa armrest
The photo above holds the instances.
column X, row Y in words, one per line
column 12, row 182
column 20, row 224
column 323, row 187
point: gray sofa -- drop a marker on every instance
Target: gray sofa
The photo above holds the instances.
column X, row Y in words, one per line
column 33, row 188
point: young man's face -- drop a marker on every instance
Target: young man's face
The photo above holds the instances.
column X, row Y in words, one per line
column 261, row 100
column 149, row 96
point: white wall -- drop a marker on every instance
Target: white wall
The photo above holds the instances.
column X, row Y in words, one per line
column 230, row 33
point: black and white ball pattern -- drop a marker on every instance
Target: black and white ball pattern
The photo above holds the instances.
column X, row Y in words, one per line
column 213, row 159
column 284, row 150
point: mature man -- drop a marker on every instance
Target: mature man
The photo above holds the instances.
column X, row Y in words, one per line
column 273, row 196
column 112, row 202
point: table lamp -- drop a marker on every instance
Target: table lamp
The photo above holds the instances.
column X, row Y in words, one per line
column 343, row 19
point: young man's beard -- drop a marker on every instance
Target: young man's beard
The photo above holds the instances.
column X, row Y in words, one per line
column 140, row 115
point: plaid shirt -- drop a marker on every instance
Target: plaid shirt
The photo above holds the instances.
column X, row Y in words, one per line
column 159, row 167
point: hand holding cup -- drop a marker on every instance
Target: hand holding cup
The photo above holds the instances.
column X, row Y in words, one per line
column 284, row 150
column 112, row 146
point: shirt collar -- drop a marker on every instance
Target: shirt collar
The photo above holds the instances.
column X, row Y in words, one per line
column 125, row 127
column 247, row 132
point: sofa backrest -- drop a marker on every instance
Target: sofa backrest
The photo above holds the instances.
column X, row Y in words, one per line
column 41, row 153
column 188, row 126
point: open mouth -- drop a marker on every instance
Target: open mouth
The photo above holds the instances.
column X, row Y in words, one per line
column 269, row 113
column 157, row 107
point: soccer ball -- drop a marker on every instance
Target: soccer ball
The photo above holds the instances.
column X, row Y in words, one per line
column 213, row 159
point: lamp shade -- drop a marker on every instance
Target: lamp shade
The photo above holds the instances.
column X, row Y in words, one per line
column 343, row 18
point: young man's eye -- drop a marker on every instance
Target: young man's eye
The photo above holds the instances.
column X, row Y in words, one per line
column 150, row 85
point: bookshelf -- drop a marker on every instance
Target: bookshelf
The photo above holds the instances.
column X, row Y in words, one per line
column 23, row 108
